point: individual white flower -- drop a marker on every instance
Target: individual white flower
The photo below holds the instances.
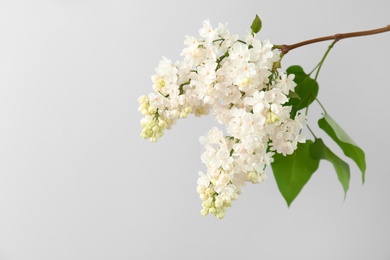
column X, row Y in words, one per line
column 203, row 180
column 223, row 180
column 235, row 121
column 244, row 74
column 158, row 101
column 262, row 75
column 249, row 38
column 252, row 122
column 184, row 73
column 194, row 54
column 261, row 51
column 207, row 31
column 257, row 102
column 239, row 52
column 223, row 159
column 225, row 73
column 275, row 95
column 256, row 177
column 191, row 41
column 300, row 121
column 254, row 142
column 206, row 72
column 227, row 94
column 223, row 31
column 286, row 83
column 223, row 39
column 281, row 143
column 214, row 136
column 222, row 114
column 228, row 193
column 167, row 70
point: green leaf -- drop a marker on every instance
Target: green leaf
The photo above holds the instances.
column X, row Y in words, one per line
column 298, row 72
column 320, row 151
column 345, row 142
column 256, row 25
column 292, row 94
column 306, row 89
column 292, row 172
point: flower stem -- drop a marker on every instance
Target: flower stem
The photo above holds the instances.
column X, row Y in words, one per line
column 323, row 59
column 323, row 108
column 286, row 48
column 308, row 127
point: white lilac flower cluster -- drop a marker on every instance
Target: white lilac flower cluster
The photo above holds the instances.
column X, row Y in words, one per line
column 239, row 83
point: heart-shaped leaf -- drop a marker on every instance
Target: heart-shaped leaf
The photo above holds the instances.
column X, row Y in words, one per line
column 292, row 172
column 306, row 89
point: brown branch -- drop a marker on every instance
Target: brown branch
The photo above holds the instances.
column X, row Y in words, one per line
column 286, row 48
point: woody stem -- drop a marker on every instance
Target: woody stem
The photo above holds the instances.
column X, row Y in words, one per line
column 285, row 48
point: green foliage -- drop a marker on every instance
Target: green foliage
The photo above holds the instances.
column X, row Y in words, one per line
column 292, row 172
column 292, row 94
column 306, row 89
column 256, row 25
column 345, row 142
column 319, row 150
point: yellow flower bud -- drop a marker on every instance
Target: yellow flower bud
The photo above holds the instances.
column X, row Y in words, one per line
column 204, row 212
column 188, row 110
column 161, row 83
column 272, row 118
column 212, row 210
column 152, row 110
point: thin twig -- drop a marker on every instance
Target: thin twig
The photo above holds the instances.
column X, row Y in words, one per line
column 286, row 48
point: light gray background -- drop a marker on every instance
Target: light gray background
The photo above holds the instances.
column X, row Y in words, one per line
column 77, row 181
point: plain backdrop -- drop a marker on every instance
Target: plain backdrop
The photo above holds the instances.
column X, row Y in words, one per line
column 78, row 182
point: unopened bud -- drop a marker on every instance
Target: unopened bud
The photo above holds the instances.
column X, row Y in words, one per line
column 203, row 196
column 245, row 82
column 143, row 99
column 253, row 177
column 218, row 202
column 161, row 83
column 152, row 110
column 183, row 114
column 162, row 123
column 208, row 203
column 188, row 110
column 204, row 212
column 212, row 210
column 209, row 191
column 220, row 214
column 272, row 118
